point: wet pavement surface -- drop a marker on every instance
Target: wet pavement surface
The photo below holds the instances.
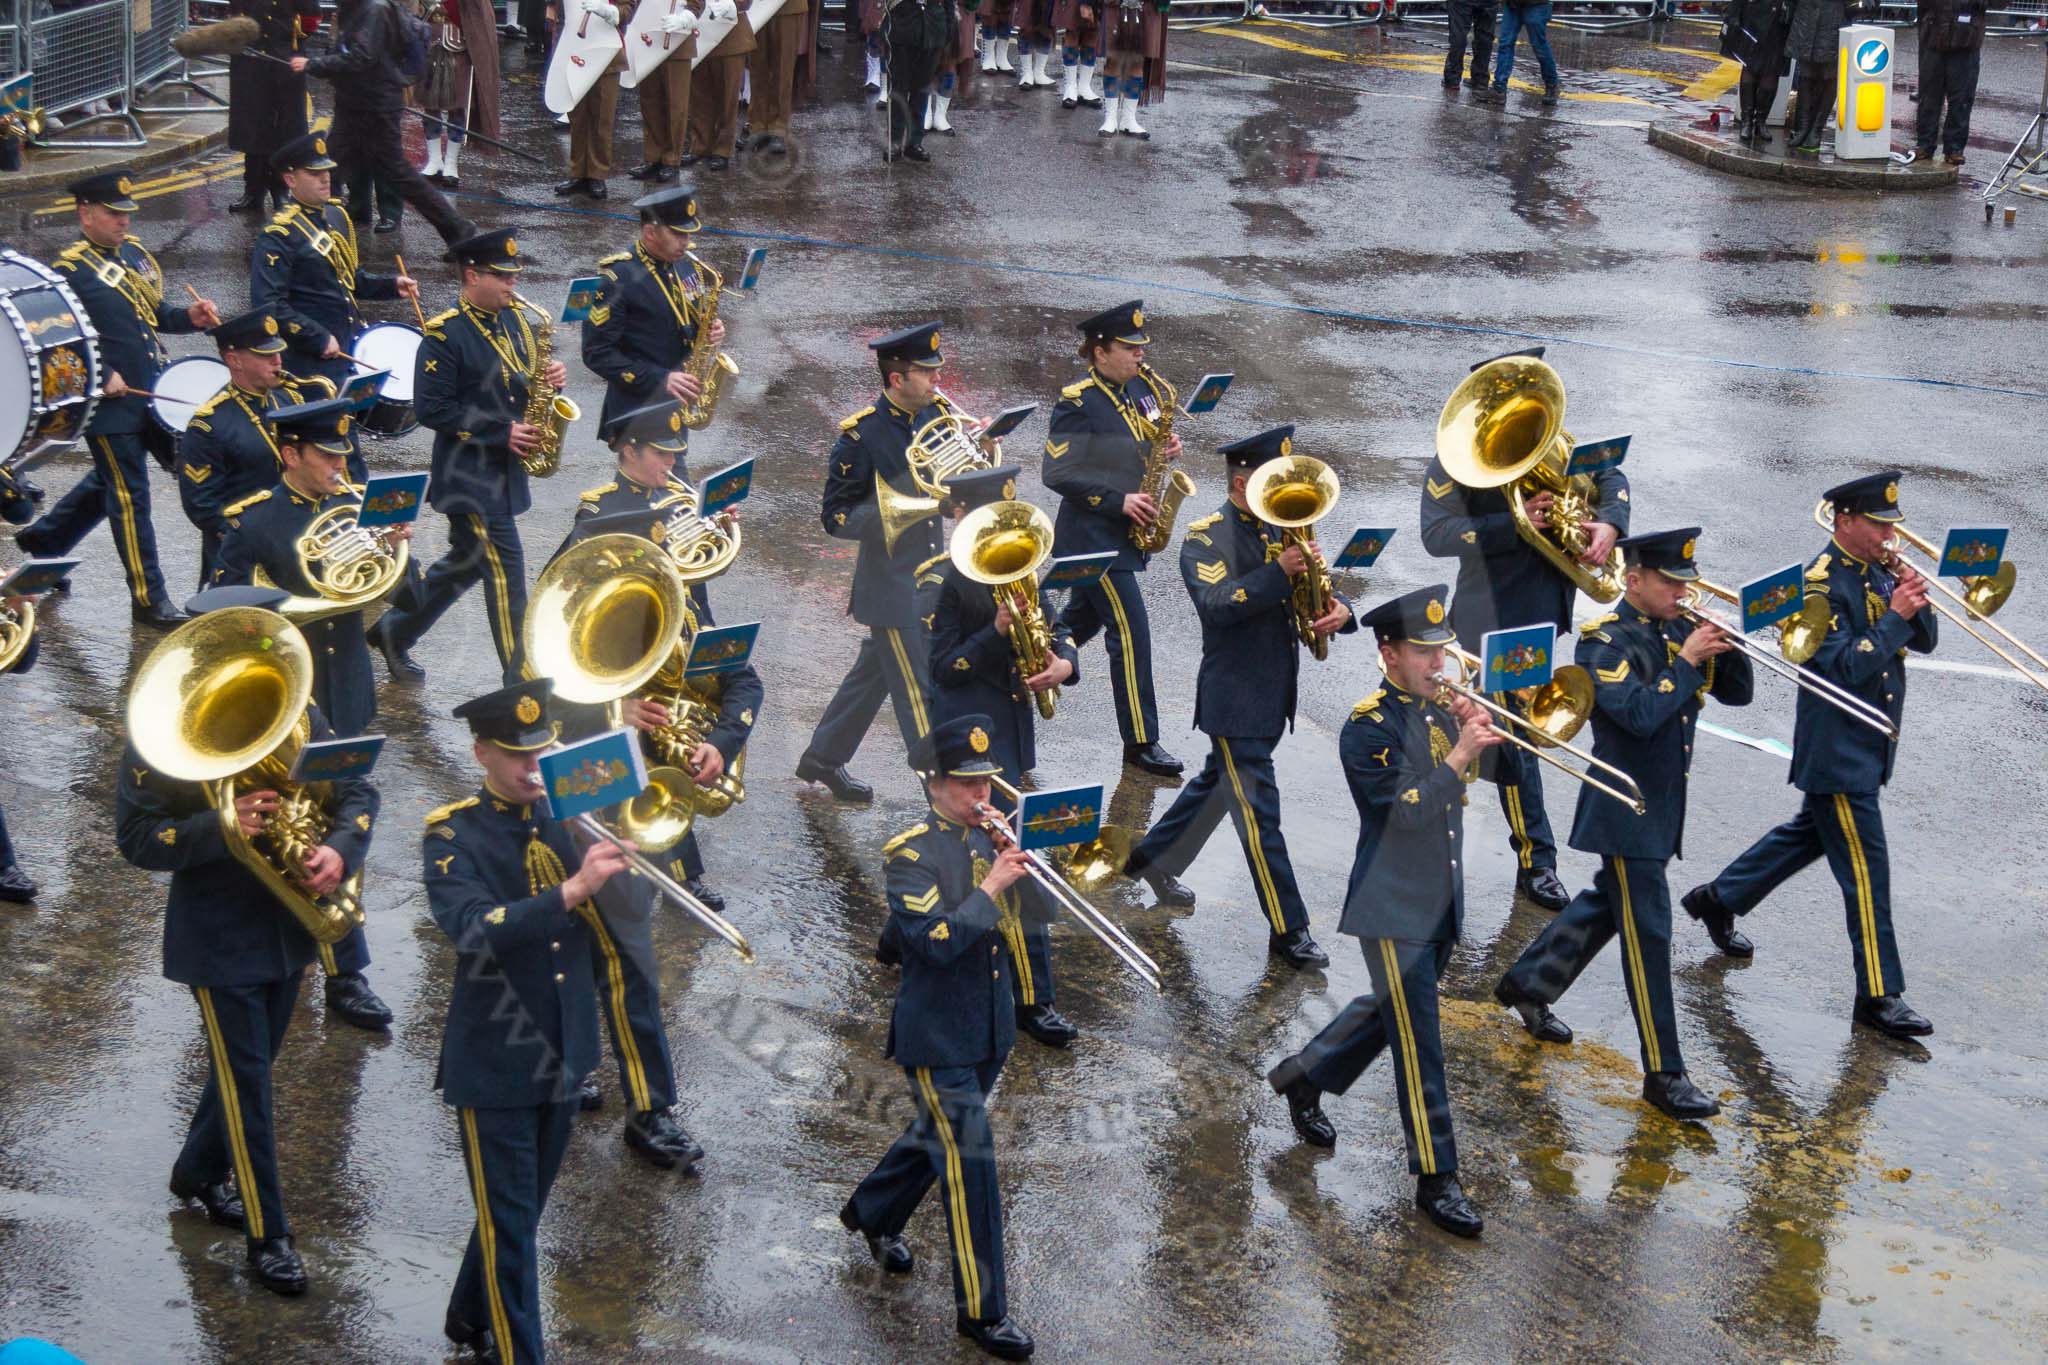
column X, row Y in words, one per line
column 1347, row 238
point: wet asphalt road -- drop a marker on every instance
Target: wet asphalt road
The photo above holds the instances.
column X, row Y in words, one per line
column 1348, row 239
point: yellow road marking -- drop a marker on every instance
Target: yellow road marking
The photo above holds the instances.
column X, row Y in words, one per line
column 190, row 178
column 1406, row 62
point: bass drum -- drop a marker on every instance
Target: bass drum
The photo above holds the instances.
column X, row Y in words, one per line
column 392, row 346
column 49, row 360
column 182, row 388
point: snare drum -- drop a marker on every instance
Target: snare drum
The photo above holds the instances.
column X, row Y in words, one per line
column 392, row 346
column 182, row 388
column 49, row 359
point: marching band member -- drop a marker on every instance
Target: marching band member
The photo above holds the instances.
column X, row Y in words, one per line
column 1034, row 43
column 951, row 894
column 16, row 885
column 592, row 121
column 262, row 533
column 772, row 66
column 522, row 1016
column 714, row 126
column 997, row 33
column 305, row 270
column 1504, row 581
column 122, row 289
column 665, row 104
column 1241, row 582
column 1095, row 458
column 1653, row 669
column 470, row 389
column 956, row 69
column 1407, row 760
column 242, row 954
column 649, row 306
column 975, row 671
column 1080, row 25
column 1878, row 611
column 893, row 658
column 230, row 448
column 1134, row 41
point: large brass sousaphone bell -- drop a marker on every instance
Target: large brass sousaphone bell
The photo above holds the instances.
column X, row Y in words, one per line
column 221, row 701
column 1503, row 427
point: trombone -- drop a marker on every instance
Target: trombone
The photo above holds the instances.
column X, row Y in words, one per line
column 1800, row 676
column 1983, row 595
column 1551, row 730
column 1104, row 855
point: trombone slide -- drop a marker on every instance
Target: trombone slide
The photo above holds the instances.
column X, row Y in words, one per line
column 1632, row 798
column 1073, row 902
column 670, row 887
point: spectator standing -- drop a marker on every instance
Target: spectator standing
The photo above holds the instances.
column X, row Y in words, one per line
column 1951, row 47
column 1517, row 17
column 1476, row 19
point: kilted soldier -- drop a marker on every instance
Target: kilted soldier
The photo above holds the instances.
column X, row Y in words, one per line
column 1134, row 62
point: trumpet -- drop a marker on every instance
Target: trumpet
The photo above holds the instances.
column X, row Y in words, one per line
column 1825, row 689
column 350, row 567
column 1066, row 897
column 1003, row 545
column 1294, row 492
column 1544, row 738
column 1983, row 595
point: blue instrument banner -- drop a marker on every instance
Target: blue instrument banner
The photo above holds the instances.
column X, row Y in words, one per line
column 721, row 649
column 593, row 774
column 1597, row 457
column 1772, row 598
column 364, row 389
column 1363, row 548
column 728, row 486
column 1005, row 422
column 1209, row 391
column 337, row 760
column 37, row 576
column 582, row 296
column 1971, row 551
column 750, row 273
column 1513, row 659
column 1066, row 815
column 14, row 95
column 1076, row 571
column 392, row 500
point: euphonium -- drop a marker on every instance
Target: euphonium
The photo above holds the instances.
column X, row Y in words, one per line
column 710, row 365
column 221, row 701
column 1003, row 544
column 17, row 628
column 1294, row 492
column 1503, row 427
column 350, row 567
column 1162, row 482
column 547, row 407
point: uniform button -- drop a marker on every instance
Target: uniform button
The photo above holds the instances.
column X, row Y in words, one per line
column 560, row 977
column 555, row 946
column 1454, row 864
column 995, row 976
column 1887, row 696
column 994, row 949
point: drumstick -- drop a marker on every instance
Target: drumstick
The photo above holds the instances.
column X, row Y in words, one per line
column 416, row 311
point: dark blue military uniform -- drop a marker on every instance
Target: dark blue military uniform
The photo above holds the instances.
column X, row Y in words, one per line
column 242, row 954
column 892, row 660
column 1841, row 765
column 469, row 389
column 639, row 330
column 953, row 1026
column 21, row 665
column 522, row 1020
column 229, row 454
column 1647, row 701
column 1244, row 702
column 1504, row 582
column 306, row 269
column 123, row 293
column 1095, row 455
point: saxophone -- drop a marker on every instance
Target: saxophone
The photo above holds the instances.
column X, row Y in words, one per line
column 1165, row 485
column 547, row 407
column 705, row 362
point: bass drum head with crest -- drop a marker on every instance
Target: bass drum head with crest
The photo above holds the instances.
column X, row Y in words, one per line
column 183, row 388
column 49, row 359
column 393, row 346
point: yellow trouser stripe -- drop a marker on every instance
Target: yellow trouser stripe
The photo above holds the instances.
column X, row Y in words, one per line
column 501, row 601
column 1013, row 931
column 622, row 1025
column 910, row 687
column 231, row 1111
column 1519, row 823
column 1411, row 1062
column 328, row 964
column 1639, row 982
column 126, row 536
column 1252, row 843
column 956, row 1195
column 1123, row 630
column 487, row 1238
column 1866, row 909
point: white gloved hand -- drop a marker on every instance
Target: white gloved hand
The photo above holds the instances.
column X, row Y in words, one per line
column 681, row 23
column 721, row 10
column 606, row 12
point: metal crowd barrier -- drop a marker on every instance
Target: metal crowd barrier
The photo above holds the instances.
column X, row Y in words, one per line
column 79, row 54
column 1322, row 13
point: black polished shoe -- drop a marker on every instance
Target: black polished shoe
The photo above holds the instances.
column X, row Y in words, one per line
column 222, row 1204
column 1444, row 1203
column 1540, row 884
column 646, row 172
column 477, row 1339
column 397, row 662
column 596, row 189
column 665, row 174
column 160, row 614
column 277, row 1266
column 385, row 225
column 1304, row 1104
column 1166, row 889
column 656, row 1135
column 717, row 163
column 688, row 159
column 1543, row 1026
column 589, row 1098
column 349, row 995
column 1047, row 1025
column 889, row 1251
column 1003, row 1339
column 701, row 889
column 842, row 784
column 1153, row 759
column 1676, row 1095
column 1297, row 950
column 918, row 153
column 1703, row 905
column 573, row 185
column 1890, row 1015
column 248, row 203
column 16, row 886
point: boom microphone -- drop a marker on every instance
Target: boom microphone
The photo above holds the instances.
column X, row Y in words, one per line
column 224, row 39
